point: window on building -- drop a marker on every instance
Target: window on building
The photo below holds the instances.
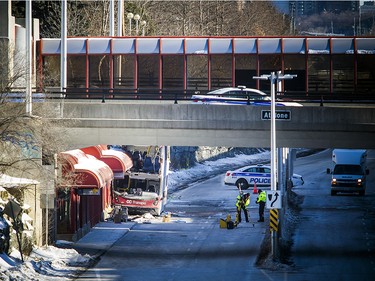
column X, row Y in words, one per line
column 123, row 72
column 319, row 74
column 99, row 71
column 148, row 72
column 51, row 71
column 343, row 74
column 245, row 70
column 221, row 71
column 295, row 64
column 197, row 72
column 173, row 72
column 365, row 73
column 76, row 71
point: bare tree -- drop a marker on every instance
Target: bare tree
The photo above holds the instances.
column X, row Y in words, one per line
column 214, row 18
column 27, row 142
column 23, row 138
column 176, row 18
column 85, row 18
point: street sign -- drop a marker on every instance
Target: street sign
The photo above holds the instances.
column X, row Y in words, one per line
column 88, row 191
column 274, row 220
column 285, row 115
column 273, row 199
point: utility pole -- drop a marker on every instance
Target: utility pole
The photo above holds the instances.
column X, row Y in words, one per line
column 28, row 73
column 63, row 53
column 111, row 18
column 120, row 20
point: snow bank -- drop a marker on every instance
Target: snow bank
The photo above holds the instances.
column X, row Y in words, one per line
column 182, row 178
column 45, row 263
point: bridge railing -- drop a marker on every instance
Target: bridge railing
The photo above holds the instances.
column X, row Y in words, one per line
column 176, row 95
column 129, row 94
column 183, row 95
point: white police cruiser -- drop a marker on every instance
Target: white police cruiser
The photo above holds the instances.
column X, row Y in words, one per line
column 238, row 95
column 254, row 174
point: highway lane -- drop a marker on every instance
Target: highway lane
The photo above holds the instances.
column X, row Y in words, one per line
column 335, row 236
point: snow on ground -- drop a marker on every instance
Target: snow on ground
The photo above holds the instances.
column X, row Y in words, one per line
column 182, row 178
column 52, row 263
column 44, row 263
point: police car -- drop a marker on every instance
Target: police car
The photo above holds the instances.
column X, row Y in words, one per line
column 254, row 174
column 238, row 95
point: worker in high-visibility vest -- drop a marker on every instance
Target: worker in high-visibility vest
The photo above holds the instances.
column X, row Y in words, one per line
column 242, row 202
column 261, row 201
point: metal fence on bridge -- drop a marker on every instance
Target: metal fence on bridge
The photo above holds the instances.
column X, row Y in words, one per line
column 182, row 65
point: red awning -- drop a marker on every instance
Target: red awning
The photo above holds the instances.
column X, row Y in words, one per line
column 118, row 161
column 88, row 171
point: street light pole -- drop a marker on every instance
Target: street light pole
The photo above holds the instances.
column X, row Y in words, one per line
column 28, row 71
column 111, row 18
column 273, row 134
column 63, row 52
column 130, row 16
column 136, row 18
column 275, row 79
column 143, row 24
column 120, row 21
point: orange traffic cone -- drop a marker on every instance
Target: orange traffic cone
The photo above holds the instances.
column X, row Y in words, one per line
column 255, row 191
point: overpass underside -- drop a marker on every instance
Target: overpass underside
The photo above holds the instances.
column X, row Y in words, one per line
column 217, row 125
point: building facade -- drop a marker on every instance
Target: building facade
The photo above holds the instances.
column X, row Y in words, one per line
column 308, row 8
column 84, row 193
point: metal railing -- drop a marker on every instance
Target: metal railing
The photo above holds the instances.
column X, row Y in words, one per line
column 128, row 94
column 175, row 95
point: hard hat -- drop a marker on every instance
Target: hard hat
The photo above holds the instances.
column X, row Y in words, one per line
column 259, row 190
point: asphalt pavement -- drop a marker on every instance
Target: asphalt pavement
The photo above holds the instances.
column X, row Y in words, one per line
column 101, row 237
column 186, row 249
column 105, row 234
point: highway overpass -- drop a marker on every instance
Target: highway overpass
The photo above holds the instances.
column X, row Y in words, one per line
column 189, row 124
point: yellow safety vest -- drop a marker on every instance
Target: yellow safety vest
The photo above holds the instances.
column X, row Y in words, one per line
column 262, row 197
column 239, row 201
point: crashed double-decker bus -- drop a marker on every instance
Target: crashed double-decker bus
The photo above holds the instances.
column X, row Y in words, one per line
column 145, row 186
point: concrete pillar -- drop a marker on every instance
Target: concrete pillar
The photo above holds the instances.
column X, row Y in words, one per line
column 6, row 37
column 5, row 19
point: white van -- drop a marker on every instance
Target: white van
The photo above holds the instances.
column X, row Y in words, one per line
column 349, row 171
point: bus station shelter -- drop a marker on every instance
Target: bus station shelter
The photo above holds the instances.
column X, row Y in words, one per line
column 185, row 65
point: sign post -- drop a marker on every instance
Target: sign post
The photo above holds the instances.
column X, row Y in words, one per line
column 273, row 200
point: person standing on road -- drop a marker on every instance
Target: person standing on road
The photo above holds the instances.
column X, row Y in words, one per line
column 242, row 202
column 261, row 201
